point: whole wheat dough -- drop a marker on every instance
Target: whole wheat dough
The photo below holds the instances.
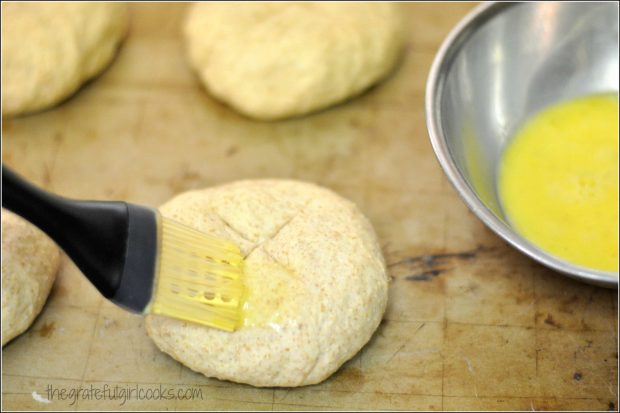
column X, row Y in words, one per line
column 30, row 262
column 276, row 60
column 49, row 49
column 316, row 275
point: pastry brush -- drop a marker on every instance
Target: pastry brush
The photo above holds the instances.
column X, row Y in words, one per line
column 137, row 258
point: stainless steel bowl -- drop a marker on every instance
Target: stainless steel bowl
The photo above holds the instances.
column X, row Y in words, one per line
column 500, row 65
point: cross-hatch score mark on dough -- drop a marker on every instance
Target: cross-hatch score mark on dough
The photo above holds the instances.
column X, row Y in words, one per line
column 264, row 304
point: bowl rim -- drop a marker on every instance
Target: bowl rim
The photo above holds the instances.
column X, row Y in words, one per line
column 434, row 87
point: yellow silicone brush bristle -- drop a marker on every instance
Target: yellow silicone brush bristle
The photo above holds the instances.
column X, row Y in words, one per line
column 199, row 278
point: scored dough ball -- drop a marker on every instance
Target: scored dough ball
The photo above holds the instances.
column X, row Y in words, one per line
column 30, row 261
column 49, row 49
column 316, row 276
column 276, row 60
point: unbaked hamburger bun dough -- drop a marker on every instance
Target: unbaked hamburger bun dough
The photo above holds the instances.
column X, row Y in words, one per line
column 277, row 60
column 49, row 49
column 317, row 280
column 30, row 262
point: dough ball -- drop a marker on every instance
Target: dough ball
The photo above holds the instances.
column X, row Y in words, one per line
column 316, row 276
column 276, row 60
column 30, row 262
column 49, row 49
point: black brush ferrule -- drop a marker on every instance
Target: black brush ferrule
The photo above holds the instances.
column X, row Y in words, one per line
column 135, row 289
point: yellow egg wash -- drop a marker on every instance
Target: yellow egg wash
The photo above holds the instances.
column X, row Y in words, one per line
column 558, row 181
column 272, row 294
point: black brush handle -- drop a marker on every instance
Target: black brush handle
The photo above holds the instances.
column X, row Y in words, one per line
column 93, row 233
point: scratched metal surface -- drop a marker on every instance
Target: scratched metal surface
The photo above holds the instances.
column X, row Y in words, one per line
column 471, row 323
